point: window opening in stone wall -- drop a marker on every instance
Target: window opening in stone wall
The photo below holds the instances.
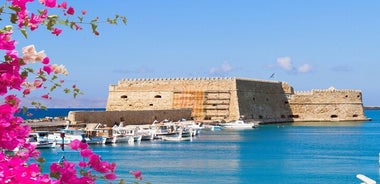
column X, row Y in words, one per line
column 358, row 96
column 286, row 102
column 293, row 116
column 260, row 117
column 346, row 96
column 334, row 116
column 355, row 115
column 150, row 104
column 282, row 116
column 253, row 99
column 157, row 96
column 214, row 105
column 124, row 96
column 130, row 105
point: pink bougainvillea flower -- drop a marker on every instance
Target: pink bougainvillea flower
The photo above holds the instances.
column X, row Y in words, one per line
column 82, row 164
column 47, row 68
column 46, row 60
column 5, row 41
column 49, row 3
column 56, row 31
column 110, row 176
column 26, row 91
column 46, row 96
column 74, row 145
column 84, row 12
column 137, row 174
column 63, row 5
column 70, row 11
column 77, row 27
column 86, row 153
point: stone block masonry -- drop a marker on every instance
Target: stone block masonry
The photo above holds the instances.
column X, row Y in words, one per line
column 226, row 99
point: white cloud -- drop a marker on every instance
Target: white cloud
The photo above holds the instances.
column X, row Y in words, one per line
column 224, row 68
column 305, row 68
column 285, row 63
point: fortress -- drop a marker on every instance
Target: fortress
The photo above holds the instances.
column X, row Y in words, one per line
column 218, row 99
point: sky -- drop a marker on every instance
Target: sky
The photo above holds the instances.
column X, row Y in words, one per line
column 314, row 44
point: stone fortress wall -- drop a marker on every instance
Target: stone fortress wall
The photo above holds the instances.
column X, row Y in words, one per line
column 218, row 99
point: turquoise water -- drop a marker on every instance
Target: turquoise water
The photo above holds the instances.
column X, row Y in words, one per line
column 284, row 153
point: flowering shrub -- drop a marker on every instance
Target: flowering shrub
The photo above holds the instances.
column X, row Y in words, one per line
column 17, row 75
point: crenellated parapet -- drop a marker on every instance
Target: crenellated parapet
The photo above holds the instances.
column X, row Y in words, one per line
column 175, row 79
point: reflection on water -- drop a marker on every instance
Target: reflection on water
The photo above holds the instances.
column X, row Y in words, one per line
column 322, row 123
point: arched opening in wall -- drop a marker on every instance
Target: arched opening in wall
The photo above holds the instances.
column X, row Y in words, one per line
column 286, row 102
column 214, row 105
column 283, row 116
column 124, row 96
column 150, row 104
column 130, row 105
column 157, row 96
column 261, row 117
column 253, row 99
column 358, row 96
column 334, row 116
column 346, row 96
column 355, row 115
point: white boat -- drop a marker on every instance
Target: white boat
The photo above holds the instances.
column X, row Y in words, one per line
column 239, row 124
column 40, row 139
column 125, row 134
column 181, row 135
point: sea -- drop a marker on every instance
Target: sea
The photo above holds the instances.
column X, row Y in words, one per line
column 308, row 152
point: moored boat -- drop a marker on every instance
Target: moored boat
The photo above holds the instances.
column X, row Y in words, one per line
column 239, row 124
column 40, row 139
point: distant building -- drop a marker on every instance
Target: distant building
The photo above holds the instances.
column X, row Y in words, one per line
column 228, row 99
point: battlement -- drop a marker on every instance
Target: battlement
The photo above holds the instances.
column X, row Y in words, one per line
column 329, row 90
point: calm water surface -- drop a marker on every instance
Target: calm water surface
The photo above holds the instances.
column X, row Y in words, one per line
column 285, row 153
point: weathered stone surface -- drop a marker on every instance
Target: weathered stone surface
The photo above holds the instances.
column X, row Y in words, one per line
column 231, row 98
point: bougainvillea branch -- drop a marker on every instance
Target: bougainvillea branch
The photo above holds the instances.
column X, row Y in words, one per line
column 16, row 75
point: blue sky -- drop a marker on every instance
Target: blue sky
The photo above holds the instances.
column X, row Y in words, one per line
column 312, row 44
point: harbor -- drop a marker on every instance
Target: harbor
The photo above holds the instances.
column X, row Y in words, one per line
column 322, row 152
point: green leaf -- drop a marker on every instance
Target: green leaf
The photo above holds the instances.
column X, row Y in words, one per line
column 13, row 18
column 80, row 19
column 24, row 109
column 94, row 26
column 41, row 160
column 55, row 175
column 72, row 24
column 53, row 16
column 8, row 28
column 67, row 90
column 53, row 88
column 124, row 19
column 14, row 8
column 24, row 74
column 23, row 31
column 2, row 9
